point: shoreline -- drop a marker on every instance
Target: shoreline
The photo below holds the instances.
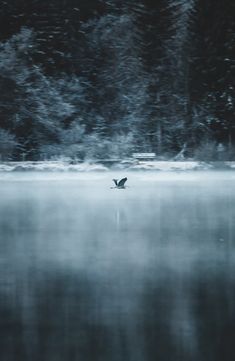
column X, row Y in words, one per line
column 105, row 166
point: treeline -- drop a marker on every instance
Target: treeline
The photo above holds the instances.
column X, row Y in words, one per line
column 108, row 78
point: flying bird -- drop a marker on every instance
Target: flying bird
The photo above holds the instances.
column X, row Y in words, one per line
column 120, row 184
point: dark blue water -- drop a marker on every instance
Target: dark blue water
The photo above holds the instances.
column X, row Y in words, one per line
column 143, row 274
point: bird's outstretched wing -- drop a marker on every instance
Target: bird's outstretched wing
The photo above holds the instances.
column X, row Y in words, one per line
column 115, row 181
column 122, row 182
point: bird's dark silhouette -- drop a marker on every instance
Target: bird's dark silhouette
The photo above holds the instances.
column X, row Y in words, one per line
column 120, row 184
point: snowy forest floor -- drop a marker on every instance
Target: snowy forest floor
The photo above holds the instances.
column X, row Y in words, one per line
column 106, row 166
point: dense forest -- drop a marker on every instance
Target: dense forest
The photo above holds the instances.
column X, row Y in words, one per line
column 101, row 79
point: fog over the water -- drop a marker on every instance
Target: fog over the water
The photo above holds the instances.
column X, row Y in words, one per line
column 92, row 273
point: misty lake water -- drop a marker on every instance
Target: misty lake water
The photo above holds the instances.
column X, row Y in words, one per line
column 89, row 273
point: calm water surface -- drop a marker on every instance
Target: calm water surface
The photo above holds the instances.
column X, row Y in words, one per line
column 89, row 273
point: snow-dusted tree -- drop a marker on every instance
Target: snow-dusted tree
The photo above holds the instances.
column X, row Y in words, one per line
column 8, row 145
column 213, row 68
column 116, row 71
column 70, row 144
column 40, row 106
column 177, row 72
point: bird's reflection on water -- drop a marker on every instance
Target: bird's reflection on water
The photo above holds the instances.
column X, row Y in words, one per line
column 144, row 274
